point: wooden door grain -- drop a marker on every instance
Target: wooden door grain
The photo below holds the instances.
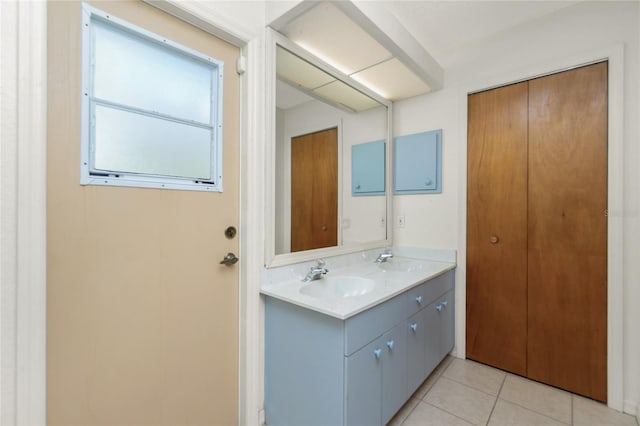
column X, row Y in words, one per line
column 497, row 228
column 314, row 190
column 567, row 249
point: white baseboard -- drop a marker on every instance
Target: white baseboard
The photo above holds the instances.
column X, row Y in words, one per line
column 631, row 407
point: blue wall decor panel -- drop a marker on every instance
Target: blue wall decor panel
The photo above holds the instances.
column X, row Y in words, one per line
column 417, row 163
column 367, row 168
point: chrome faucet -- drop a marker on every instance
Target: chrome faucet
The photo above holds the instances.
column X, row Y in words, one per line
column 383, row 257
column 316, row 272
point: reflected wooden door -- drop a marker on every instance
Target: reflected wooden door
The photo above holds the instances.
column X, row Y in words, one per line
column 497, row 228
column 142, row 320
column 567, row 316
column 314, row 190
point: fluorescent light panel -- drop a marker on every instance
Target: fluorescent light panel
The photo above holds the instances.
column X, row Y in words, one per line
column 392, row 80
column 328, row 33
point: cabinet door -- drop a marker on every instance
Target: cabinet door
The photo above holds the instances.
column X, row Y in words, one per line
column 417, row 163
column 367, row 168
column 416, row 346
column 364, row 385
column 432, row 337
column 394, row 371
column 447, row 323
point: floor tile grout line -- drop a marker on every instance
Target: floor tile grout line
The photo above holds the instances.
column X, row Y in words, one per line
column 474, row 388
column 572, row 398
column 436, row 378
column 504, row 379
column 410, row 411
column 536, row 412
column 453, row 414
column 448, row 412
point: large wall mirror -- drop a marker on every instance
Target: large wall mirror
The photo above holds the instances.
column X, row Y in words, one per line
column 330, row 143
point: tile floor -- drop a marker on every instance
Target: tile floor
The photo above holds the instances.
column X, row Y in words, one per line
column 463, row 392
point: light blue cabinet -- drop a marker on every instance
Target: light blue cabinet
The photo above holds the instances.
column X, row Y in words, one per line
column 368, row 168
column 417, row 163
column 363, row 371
column 416, row 347
column 394, row 371
column 320, row 370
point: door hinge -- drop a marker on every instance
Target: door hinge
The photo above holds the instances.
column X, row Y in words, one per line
column 241, row 65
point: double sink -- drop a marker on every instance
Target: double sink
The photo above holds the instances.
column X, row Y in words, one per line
column 341, row 286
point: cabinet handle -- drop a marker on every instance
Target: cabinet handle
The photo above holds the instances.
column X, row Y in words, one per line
column 419, row 300
column 390, row 344
column 439, row 307
column 444, row 303
column 413, row 326
column 494, row 239
column 357, row 186
column 377, row 353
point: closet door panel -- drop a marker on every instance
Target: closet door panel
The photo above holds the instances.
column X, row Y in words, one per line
column 567, row 231
column 497, row 228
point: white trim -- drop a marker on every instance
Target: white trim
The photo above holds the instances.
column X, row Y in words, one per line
column 23, row 210
column 252, row 192
column 203, row 17
column 615, row 302
column 631, row 407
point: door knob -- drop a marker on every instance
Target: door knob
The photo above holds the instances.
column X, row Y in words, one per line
column 229, row 259
column 494, row 239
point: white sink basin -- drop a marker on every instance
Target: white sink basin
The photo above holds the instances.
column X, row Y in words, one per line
column 398, row 265
column 338, row 287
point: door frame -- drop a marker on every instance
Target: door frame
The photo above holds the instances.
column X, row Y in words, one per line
column 614, row 54
column 23, row 287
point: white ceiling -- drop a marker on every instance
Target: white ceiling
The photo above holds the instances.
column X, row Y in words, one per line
column 446, row 27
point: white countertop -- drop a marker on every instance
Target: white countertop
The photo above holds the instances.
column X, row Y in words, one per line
column 388, row 283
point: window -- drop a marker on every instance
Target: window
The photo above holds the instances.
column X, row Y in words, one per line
column 152, row 109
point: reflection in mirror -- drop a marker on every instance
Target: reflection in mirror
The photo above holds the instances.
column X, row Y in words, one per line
column 318, row 120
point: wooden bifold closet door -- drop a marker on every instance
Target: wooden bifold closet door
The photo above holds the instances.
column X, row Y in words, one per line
column 537, row 229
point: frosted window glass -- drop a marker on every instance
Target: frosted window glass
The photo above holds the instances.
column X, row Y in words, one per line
column 136, row 143
column 133, row 71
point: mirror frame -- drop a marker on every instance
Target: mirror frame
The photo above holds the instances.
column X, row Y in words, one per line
column 272, row 259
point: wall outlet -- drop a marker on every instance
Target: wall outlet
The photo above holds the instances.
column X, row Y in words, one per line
column 401, row 221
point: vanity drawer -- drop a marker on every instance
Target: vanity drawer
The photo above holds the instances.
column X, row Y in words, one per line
column 421, row 296
column 366, row 326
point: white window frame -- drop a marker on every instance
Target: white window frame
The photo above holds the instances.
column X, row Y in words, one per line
column 89, row 176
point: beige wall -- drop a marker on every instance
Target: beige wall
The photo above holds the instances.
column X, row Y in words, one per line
column 142, row 320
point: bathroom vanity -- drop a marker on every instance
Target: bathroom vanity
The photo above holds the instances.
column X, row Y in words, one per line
column 352, row 350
